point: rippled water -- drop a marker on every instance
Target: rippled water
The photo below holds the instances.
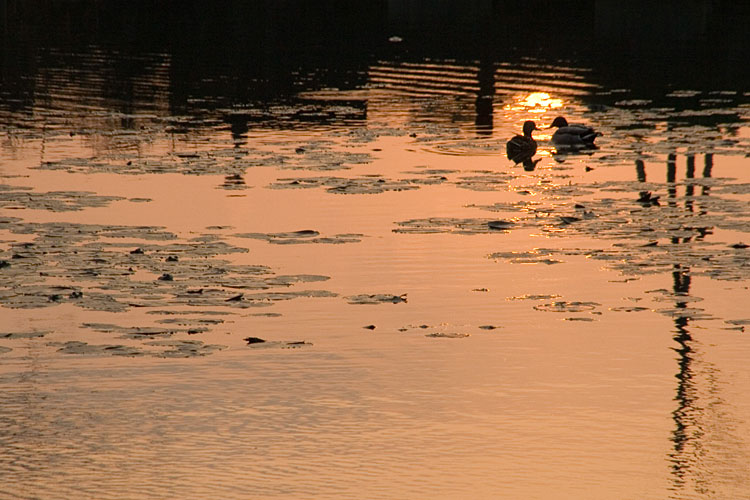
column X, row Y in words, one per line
column 438, row 322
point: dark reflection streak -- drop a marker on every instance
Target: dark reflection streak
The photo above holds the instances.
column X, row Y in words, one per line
column 690, row 187
column 688, row 433
column 671, row 187
column 485, row 97
column 684, row 415
column 708, row 166
column 239, row 128
column 683, row 434
column 486, row 73
column 705, row 191
column 671, row 176
column 640, row 170
column 703, row 231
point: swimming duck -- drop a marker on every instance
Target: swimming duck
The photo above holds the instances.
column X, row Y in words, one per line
column 572, row 134
column 522, row 147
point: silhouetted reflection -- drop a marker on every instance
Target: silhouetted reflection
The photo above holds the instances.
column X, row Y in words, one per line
column 687, row 430
column 530, row 164
column 646, row 198
column 525, row 157
column 239, row 126
column 688, row 433
column 708, row 166
column 485, row 98
column 560, row 155
column 671, row 177
column 233, row 182
column 640, row 170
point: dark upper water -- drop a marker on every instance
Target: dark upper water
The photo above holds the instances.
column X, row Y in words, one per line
column 177, row 177
column 192, row 58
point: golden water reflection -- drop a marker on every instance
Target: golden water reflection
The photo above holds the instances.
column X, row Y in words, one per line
column 548, row 369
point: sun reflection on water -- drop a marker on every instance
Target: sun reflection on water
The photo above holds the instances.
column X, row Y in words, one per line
column 541, row 102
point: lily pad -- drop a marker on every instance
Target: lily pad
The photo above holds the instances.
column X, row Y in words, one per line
column 23, row 335
column 567, row 307
column 256, row 343
column 83, row 348
column 302, row 237
column 371, row 299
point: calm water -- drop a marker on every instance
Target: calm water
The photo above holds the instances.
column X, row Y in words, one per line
column 439, row 322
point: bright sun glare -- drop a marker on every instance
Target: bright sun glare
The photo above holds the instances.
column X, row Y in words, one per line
column 540, row 102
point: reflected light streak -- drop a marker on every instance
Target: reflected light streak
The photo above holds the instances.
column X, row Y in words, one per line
column 536, row 102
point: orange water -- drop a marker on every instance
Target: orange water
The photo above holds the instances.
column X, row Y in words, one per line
column 557, row 401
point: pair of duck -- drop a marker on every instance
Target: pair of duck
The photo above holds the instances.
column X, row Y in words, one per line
column 571, row 135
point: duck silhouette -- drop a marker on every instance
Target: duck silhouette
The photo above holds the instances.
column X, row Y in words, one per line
column 521, row 148
column 573, row 134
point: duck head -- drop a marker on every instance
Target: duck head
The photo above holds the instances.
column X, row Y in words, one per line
column 560, row 121
column 528, row 127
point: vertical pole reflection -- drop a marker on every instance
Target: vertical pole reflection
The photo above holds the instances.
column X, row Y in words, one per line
column 640, row 170
column 686, row 433
column 689, row 185
column 485, row 97
column 486, row 73
column 671, row 178
column 671, row 185
column 708, row 165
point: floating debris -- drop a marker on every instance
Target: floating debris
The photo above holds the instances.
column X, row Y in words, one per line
column 302, row 237
column 253, row 340
column 569, row 307
column 111, row 269
column 535, row 297
column 17, row 197
column 628, row 309
column 23, row 335
column 358, row 185
column 83, row 348
column 647, row 199
column 500, row 225
column 369, row 299
column 184, row 348
column 258, row 343
column 452, row 225
column 444, row 335
column 134, row 332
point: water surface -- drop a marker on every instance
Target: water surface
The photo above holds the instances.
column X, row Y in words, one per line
column 439, row 322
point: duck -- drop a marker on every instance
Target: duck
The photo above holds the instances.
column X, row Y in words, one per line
column 522, row 147
column 573, row 134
